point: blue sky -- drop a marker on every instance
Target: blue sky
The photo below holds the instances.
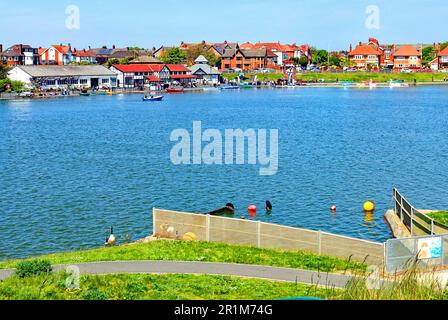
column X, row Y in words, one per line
column 322, row 23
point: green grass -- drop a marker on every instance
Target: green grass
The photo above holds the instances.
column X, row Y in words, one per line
column 375, row 76
column 441, row 216
column 347, row 76
column 154, row 287
column 201, row 251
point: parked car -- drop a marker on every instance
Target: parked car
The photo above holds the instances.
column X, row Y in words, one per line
column 406, row 71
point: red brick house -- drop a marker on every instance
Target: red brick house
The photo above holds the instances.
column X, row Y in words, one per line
column 246, row 59
column 19, row 55
column 407, row 57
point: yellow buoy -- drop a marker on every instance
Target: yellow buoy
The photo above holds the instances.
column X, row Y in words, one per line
column 369, row 206
column 190, row 236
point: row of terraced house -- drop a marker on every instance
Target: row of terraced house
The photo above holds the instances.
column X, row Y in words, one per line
column 373, row 55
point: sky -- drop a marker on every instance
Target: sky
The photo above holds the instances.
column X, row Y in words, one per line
column 326, row 24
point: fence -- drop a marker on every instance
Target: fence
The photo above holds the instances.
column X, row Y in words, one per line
column 418, row 223
column 266, row 235
column 422, row 252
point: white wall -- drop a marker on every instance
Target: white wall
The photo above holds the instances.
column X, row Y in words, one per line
column 17, row 74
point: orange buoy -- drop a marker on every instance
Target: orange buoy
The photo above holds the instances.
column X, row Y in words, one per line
column 252, row 210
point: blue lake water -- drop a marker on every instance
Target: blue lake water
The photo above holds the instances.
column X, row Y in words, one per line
column 70, row 168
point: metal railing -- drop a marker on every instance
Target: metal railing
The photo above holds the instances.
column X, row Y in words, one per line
column 266, row 235
column 417, row 223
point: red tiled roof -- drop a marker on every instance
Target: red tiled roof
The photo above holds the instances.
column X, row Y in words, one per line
column 83, row 54
column 183, row 76
column 41, row 51
column 407, row 50
column 62, row 49
column 444, row 52
column 153, row 78
column 364, row 50
column 177, row 68
column 273, row 46
column 132, row 68
column 247, row 45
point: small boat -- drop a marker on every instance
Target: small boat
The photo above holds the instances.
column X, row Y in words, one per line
column 175, row 90
column 230, row 88
column 229, row 209
column 156, row 98
column 84, row 93
column 397, row 84
column 246, row 86
column 347, row 84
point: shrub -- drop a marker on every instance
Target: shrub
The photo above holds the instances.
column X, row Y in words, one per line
column 26, row 269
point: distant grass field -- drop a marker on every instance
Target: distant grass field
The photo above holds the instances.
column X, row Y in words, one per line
column 330, row 77
column 154, row 287
column 441, row 216
column 201, row 251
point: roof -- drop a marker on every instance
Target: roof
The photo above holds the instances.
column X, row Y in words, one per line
column 364, row 50
column 132, row 68
column 208, row 70
column 37, row 71
column 146, row 59
column 83, row 53
column 247, row 45
column 273, row 46
column 248, row 53
column 407, row 50
column 182, row 76
column 62, row 49
column 444, row 52
column 14, row 50
column 201, row 59
column 177, row 68
column 153, row 78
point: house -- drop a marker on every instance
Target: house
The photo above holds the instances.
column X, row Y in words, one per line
column 55, row 76
column 371, row 55
column 279, row 54
column 365, row 56
column 83, row 57
column 219, row 48
column 179, row 73
column 407, row 57
column 203, row 71
column 140, row 75
column 434, row 64
column 19, row 55
column 56, row 55
column 443, row 58
column 246, row 59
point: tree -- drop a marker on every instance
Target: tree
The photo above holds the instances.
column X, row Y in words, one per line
column 428, row 54
column 11, row 86
column 303, row 61
column 173, row 56
column 4, row 69
column 320, row 57
column 193, row 52
column 334, row 60
column 111, row 62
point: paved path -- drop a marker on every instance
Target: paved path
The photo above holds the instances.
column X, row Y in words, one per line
column 224, row 269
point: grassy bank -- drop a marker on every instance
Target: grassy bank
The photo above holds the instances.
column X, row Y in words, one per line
column 349, row 76
column 375, row 76
column 441, row 216
column 154, row 287
column 201, row 251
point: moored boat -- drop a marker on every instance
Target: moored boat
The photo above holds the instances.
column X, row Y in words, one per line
column 175, row 90
column 156, row 98
column 230, row 88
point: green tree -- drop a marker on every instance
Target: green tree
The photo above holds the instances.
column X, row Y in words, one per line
column 334, row 60
column 174, row 56
column 320, row 57
column 111, row 62
column 193, row 52
column 303, row 61
column 4, row 71
column 428, row 54
column 14, row 86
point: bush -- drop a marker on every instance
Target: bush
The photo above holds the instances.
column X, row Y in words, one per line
column 28, row 269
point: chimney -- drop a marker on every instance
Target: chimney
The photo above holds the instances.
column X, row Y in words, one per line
column 439, row 46
column 113, row 47
column 351, row 48
column 20, row 48
column 203, row 41
column 360, row 43
column 1, row 48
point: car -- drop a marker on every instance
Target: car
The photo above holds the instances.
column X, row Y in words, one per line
column 406, row 71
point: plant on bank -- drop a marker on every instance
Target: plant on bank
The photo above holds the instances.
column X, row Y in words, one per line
column 26, row 269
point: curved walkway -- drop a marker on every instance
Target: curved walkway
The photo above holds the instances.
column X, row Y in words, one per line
column 205, row 268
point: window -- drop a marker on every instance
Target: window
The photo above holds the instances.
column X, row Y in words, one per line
column 83, row 81
column 104, row 81
column 359, row 57
column 113, row 81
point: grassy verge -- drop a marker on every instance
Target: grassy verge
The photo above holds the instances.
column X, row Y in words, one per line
column 202, row 251
column 260, row 76
column 154, row 287
column 441, row 216
column 375, row 76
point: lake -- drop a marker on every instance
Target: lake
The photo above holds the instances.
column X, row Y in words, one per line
column 72, row 167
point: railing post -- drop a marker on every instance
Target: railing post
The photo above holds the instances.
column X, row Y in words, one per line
column 258, row 234
column 207, row 228
column 432, row 228
column 319, row 242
